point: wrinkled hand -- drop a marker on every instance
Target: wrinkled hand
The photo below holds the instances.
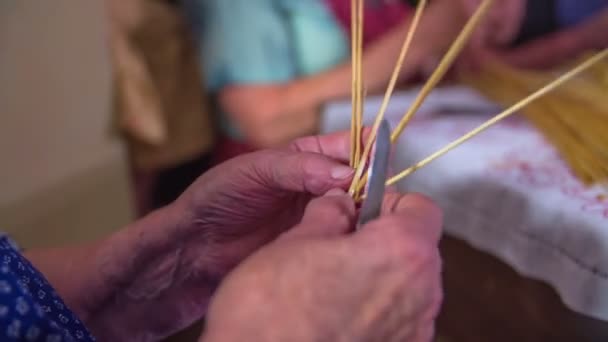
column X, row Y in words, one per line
column 316, row 283
column 237, row 207
column 172, row 260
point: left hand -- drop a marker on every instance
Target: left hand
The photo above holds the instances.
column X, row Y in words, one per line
column 248, row 201
column 159, row 274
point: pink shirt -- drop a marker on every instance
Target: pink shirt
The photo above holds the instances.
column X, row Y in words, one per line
column 380, row 16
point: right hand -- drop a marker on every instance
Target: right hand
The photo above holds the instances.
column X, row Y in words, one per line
column 316, row 283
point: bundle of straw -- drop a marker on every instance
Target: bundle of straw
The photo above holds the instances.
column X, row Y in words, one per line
column 574, row 118
column 583, row 143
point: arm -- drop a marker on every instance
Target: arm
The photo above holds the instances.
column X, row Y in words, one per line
column 58, row 265
column 125, row 279
column 561, row 46
column 438, row 27
column 261, row 112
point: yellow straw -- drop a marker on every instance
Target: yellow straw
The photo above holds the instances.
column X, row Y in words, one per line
column 457, row 46
column 391, row 86
column 506, row 113
column 353, row 121
column 443, row 66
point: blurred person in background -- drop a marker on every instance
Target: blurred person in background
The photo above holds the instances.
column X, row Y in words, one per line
column 161, row 109
column 267, row 90
column 523, row 33
column 250, row 50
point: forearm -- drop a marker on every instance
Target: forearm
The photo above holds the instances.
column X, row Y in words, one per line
column 118, row 283
column 265, row 115
column 70, row 271
column 90, row 277
column 562, row 46
column 148, row 267
column 284, row 128
column 438, row 27
column 378, row 63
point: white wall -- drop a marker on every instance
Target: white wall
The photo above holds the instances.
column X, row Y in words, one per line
column 54, row 115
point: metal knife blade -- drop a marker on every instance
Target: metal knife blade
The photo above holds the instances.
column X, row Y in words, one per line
column 377, row 173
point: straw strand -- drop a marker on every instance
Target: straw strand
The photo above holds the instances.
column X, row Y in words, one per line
column 389, row 91
column 443, row 66
column 506, row 113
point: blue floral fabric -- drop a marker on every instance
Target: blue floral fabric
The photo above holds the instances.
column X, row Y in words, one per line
column 30, row 309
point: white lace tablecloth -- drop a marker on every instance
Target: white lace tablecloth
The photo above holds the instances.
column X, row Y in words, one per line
column 505, row 192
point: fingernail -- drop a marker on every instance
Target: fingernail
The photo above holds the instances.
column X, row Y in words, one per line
column 341, row 172
column 336, row 192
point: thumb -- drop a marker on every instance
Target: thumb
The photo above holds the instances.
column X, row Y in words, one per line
column 330, row 215
column 300, row 171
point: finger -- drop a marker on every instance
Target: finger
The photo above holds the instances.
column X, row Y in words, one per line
column 329, row 215
column 335, row 145
column 394, row 201
column 391, row 198
column 416, row 207
column 299, row 171
column 405, row 218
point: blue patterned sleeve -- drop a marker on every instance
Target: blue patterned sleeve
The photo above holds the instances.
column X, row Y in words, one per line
column 30, row 310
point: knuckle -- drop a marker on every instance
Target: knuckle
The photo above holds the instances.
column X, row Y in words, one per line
column 331, row 207
column 425, row 202
column 422, row 257
column 285, row 166
column 342, row 220
column 395, row 230
column 299, row 144
column 403, row 245
column 395, row 244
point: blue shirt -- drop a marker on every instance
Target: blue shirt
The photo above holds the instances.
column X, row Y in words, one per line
column 264, row 41
column 30, row 310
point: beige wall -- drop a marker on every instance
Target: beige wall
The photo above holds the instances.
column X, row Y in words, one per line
column 62, row 177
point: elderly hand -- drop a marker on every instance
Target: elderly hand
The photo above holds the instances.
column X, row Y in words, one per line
column 157, row 276
column 316, row 283
column 235, row 208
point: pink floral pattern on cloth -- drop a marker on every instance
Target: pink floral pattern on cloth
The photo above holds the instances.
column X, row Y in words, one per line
column 549, row 172
column 535, row 167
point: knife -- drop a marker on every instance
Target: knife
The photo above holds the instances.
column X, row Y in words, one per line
column 377, row 175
